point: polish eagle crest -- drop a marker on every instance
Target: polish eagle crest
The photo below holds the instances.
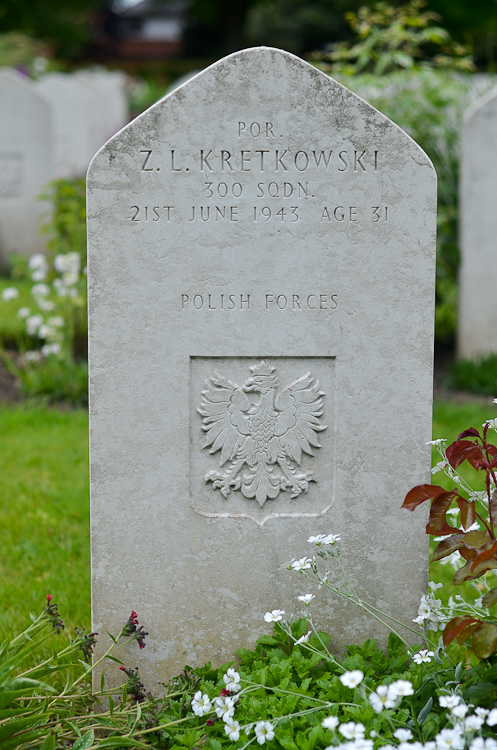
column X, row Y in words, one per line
column 261, row 430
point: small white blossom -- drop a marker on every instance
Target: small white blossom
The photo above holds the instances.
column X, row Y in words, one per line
column 306, row 599
column 361, row 744
column 48, row 349
column 275, row 616
column 473, row 723
column 492, row 717
column 423, row 656
column 232, row 729
column 449, row 701
column 352, row 679
column 10, row 293
column 56, row 321
column 304, row 638
column 331, row 539
column 440, row 466
column 264, row 731
column 39, row 266
column 403, row 734
column 432, row 585
column 316, row 539
column 483, row 744
column 201, row 703
column 45, row 331
column 401, row 688
column 32, row 356
column 232, row 680
column 23, row 312
column 352, row 731
column 383, row 698
column 33, row 323
column 460, row 710
column 40, row 290
column 224, row 707
column 479, row 711
column 454, row 559
column 491, row 423
column 449, row 739
column 436, row 442
column 45, row 304
column 303, row 564
column 331, row 722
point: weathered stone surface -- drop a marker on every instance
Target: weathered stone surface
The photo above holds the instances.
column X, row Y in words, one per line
column 25, row 164
column 260, row 216
column 477, row 324
column 71, row 137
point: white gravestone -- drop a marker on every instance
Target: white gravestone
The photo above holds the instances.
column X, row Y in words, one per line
column 261, row 290
column 25, row 164
column 112, row 84
column 71, row 137
column 477, row 324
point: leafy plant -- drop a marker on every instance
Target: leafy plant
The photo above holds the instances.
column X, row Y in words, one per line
column 476, row 376
column 476, row 539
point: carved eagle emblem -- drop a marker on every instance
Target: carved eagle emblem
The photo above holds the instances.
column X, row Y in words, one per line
column 261, row 431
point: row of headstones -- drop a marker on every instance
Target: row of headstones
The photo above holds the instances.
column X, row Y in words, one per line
column 49, row 128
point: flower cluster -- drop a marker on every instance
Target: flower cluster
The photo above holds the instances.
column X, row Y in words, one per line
column 134, row 687
column 131, row 628
column 86, row 643
column 52, row 610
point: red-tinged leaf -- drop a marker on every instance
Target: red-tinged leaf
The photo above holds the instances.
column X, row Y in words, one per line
column 437, row 523
column 482, row 557
column 420, row 494
column 471, row 432
column 467, row 633
column 492, row 508
column 448, row 546
column 468, row 512
column 456, row 626
column 465, row 574
column 490, row 598
column 467, row 554
column 492, row 450
column 476, row 539
column 462, row 450
column 485, row 640
column 484, row 567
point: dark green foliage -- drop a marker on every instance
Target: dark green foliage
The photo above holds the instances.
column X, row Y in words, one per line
column 479, row 376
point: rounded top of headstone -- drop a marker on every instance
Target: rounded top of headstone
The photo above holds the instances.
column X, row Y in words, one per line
column 486, row 103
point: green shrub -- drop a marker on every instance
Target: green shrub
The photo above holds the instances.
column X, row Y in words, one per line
column 475, row 376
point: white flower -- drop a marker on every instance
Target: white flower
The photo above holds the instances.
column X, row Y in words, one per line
column 232, row 729
column 403, row 734
column 440, row 466
column 37, row 261
column 304, row 638
column 449, row 701
column 437, row 442
column 67, row 264
column 201, row 703
column 232, row 680
column 10, row 293
column 383, row 698
column 224, row 707
column 56, row 321
column 303, row 564
column 400, row 688
column 48, row 349
column 361, row 744
column 491, row 423
column 492, row 717
column 480, row 744
column 460, row 711
column 434, row 586
column 45, row 304
column 331, row 722
column 352, row 679
column 23, row 312
column 264, row 731
column 495, row 400
column 454, row 559
column 479, row 711
column 275, row 616
column 40, row 275
column 473, row 723
column 316, row 539
column 331, row 539
column 40, row 290
column 306, row 599
column 352, row 731
column 449, row 739
column 32, row 356
column 423, row 656
column 424, row 609
column 33, row 323
column 45, row 332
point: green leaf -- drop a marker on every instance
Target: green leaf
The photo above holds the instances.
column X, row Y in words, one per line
column 457, row 673
column 84, row 742
column 122, row 742
column 485, row 640
column 49, row 742
column 489, row 599
column 111, row 705
column 425, row 711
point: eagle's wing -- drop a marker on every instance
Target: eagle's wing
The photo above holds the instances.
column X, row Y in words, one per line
column 300, row 407
column 223, row 410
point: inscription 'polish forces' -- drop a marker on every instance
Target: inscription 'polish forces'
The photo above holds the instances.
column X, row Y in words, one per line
column 262, row 434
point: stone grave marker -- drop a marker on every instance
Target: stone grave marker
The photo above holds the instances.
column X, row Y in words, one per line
column 71, row 136
column 25, row 164
column 477, row 324
column 261, row 292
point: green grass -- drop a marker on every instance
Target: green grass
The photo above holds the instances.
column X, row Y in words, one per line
column 44, row 528
column 11, row 327
column 44, row 532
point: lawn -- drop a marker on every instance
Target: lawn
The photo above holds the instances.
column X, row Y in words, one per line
column 45, row 507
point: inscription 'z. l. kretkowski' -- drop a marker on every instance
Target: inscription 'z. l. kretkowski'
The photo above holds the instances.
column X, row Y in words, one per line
column 261, row 430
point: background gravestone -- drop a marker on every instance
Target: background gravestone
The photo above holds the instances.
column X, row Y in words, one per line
column 25, row 164
column 477, row 324
column 261, row 287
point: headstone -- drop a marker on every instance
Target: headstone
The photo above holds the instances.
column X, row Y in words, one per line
column 112, row 84
column 477, row 324
column 25, row 164
column 97, row 111
column 71, row 136
column 261, row 289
